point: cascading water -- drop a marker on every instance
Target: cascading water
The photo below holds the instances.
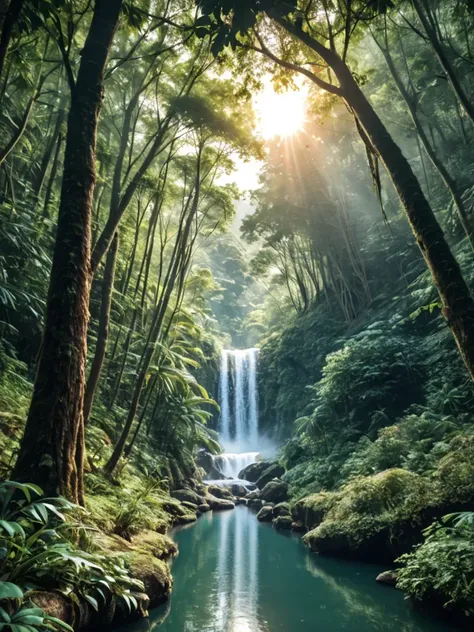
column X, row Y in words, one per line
column 238, row 399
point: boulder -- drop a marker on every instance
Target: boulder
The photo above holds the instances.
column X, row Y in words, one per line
column 204, row 507
column 255, row 470
column 239, row 490
column 275, row 470
column 186, row 518
column 283, row 523
column 154, row 574
column 311, row 510
column 190, row 506
column 158, row 545
column 204, row 459
column 253, row 495
column 275, row 491
column 174, row 507
column 389, row 578
column 218, row 504
column 186, row 495
column 282, row 509
column 220, row 492
column 265, row 514
column 298, row 527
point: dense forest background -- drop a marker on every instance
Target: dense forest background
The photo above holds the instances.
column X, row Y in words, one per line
column 123, row 273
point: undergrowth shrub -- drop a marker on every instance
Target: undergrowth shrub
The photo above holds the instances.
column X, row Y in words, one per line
column 442, row 567
column 38, row 550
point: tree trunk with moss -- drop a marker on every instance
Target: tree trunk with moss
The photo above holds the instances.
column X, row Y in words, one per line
column 456, row 299
column 52, row 448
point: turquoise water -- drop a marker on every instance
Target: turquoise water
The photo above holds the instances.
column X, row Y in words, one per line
column 235, row 574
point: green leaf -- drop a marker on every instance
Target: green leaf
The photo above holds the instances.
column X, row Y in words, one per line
column 10, row 591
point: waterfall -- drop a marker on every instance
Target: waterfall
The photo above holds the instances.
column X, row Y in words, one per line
column 238, row 399
column 238, row 421
column 231, row 463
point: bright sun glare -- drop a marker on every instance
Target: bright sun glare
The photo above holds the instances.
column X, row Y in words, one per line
column 280, row 113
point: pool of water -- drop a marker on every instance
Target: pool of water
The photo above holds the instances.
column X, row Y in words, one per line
column 234, row 574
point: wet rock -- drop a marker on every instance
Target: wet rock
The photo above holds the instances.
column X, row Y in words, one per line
column 265, row 514
column 190, row 506
column 186, row 495
column 389, row 578
column 275, row 470
column 298, row 527
column 253, row 495
column 204, row 507
column 281, row 509
column 185, row 519
column 283, row 523
column 219, row 504
column 275, row 491
column 220, row 492
column 241, row 501
column 155, row 576
column 239, row 490
column 253, row 471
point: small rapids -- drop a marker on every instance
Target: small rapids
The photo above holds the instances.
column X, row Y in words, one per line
column 231, row 463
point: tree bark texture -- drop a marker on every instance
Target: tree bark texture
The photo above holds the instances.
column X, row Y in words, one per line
column 52, row 448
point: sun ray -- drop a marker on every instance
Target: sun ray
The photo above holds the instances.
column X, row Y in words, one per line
column 280, row 113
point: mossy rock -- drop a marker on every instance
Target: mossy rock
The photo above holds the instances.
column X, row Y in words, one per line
column 185, row 519
column 281, row 509
column 154, row 573
column 186, row 495
column 274, row 471
column 204, row 507
column 173, row 507
column 283, row 523
column 156, row 544
column 312, row 510
column 219, row 504
column 252, row 495
column 275, row 491
column 255, row 470
column 220, row 492
column 189, row 506
column 265, row 514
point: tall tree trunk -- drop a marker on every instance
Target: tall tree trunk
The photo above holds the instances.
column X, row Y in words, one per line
column 103, row 332
column 458, row 305
column 178, row 260
column 52, row 447
column 423, row 13
column 9, row 22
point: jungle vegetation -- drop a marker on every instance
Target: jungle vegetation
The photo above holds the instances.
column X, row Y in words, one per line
column 123, row 271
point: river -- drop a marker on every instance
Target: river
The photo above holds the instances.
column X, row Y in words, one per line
column 234, row 574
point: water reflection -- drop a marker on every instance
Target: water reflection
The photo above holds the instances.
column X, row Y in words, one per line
column 235, row 574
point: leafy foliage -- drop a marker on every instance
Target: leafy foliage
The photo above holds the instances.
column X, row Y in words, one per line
column 443, row 566
column 37, row 552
